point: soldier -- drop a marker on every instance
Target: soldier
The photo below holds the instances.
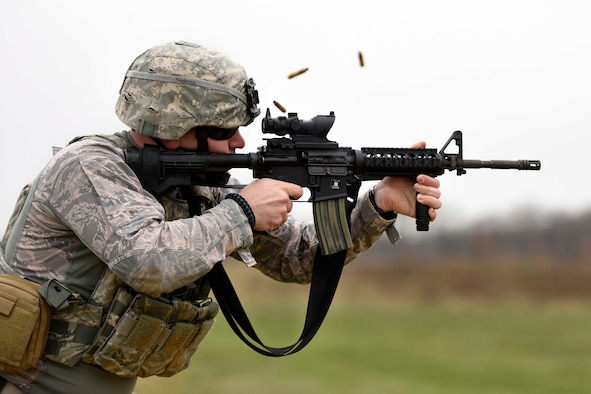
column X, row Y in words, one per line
column 132, row 264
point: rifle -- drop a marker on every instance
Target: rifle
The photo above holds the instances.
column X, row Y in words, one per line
column 333, row 174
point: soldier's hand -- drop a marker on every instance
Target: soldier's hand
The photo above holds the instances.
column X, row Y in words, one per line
column 270, row 201
column 400, row 193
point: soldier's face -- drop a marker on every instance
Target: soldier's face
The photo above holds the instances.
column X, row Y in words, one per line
column 226, row 146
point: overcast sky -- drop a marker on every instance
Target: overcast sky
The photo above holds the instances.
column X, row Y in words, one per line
column 514, row 76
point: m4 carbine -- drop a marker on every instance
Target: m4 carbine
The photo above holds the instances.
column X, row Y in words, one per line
column 333, row 174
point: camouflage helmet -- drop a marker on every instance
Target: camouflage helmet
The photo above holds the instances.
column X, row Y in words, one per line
column 171, row 88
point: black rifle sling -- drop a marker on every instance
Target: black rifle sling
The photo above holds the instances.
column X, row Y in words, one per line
column 326, row 274
column 325, row 278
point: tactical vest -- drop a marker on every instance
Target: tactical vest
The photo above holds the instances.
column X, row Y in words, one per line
column 124, row 332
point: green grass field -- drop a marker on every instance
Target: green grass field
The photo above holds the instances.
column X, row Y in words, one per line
column 398, row 345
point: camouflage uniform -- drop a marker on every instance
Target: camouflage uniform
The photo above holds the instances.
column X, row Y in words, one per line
column 119, row 251
column 89, row 212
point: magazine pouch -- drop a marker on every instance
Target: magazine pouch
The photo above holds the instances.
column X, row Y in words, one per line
column 151, row 336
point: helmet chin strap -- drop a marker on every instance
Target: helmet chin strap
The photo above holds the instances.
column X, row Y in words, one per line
column 212, row 178
column 202, row 145
column 159, row 142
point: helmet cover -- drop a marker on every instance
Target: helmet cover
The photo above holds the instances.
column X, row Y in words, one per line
column 172, row 88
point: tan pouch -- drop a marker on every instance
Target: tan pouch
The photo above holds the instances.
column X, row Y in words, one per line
column 24, row 324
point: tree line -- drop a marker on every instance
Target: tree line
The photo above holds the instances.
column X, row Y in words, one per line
column 552, row 237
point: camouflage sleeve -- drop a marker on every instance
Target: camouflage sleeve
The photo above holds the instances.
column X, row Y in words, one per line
column 287, row 253
column 100, row 199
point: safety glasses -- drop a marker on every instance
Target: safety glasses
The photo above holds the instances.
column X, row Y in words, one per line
column 218, row 133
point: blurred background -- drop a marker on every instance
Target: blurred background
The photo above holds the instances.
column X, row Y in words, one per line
column 493, row 299
column 512, row 75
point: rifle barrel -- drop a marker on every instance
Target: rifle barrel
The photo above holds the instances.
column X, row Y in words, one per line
column 534, row 165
